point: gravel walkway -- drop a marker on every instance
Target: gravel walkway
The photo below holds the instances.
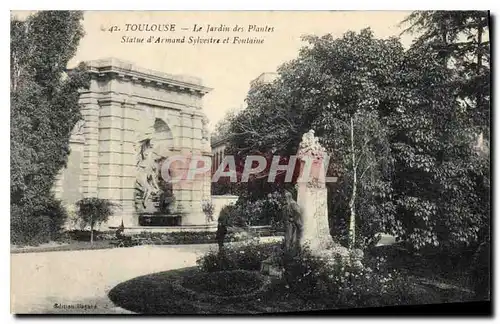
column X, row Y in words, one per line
column 79, row 281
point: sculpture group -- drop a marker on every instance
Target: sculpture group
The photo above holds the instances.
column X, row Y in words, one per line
column 152, row 150
column 148, row 169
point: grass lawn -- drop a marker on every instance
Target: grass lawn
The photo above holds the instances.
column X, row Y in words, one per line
column 64, row 246
column 189, row 291
column 80, row 240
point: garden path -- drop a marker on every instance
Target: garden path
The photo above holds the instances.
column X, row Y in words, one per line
column 40, row 280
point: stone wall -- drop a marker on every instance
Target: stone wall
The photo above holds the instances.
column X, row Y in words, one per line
column 218, row 150
column 122, row 103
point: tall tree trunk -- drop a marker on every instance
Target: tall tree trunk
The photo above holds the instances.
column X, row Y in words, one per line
column 479, row 101
column 352, row 207
column 479, row 98
column 479, row 49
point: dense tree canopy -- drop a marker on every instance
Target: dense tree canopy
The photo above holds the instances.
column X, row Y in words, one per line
column 44, row 110
column 442, row 177
column 318, row 92
column 417, row 115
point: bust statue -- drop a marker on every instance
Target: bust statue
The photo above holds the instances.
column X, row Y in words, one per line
column 312, row 154
column 310, row 146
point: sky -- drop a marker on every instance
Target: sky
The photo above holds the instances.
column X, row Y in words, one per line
column 227, row 68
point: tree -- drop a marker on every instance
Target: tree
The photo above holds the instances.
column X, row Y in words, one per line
column 442, row 180
column 425, row 182
column 222, row 127
column 368, row 153
column 459, row 169
column 94, row 211
column 460, row 39
column 44, row 110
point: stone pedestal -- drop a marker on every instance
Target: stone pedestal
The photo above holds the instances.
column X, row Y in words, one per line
column 312, row 199
column 316, row 231
column 312, row 196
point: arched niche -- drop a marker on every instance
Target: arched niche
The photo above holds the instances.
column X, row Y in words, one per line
column 154, row 195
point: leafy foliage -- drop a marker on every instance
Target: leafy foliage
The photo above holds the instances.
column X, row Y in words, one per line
column 44, row 110
column 94, row 211
column 420, row 123
column 264, row 211
column 245, row 257
column 339, row 284
column 317, row 92
column 229, row 216
column 39, row 228
column 320, row 284
column 442, row 179
column 460, row 40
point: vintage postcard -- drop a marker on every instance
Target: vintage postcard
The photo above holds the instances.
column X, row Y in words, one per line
column 250, row 162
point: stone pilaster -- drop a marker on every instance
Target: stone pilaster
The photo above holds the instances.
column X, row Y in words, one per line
column 112, row 133
column 90, row 164
column 129, row 161
column 186, row 135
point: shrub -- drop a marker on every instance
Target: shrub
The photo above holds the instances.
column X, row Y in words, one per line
column 41, row 227
column 338, row 284
column 244, row 257
column 84, row 235
column 231, row 215
column 176, row 237
column 94, row 211
column 264, row 211
column 29, row 230
column 314, row 280
column 225, row 187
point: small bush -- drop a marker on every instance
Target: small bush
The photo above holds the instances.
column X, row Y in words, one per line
column 176, row 237
column 338, row 284
column 30, row 230
column 231, row 216
column 264, row 211
column 243, row 257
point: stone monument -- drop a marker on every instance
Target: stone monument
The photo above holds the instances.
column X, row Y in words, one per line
column 312, row 199
column 133, row 120
column 312, row 194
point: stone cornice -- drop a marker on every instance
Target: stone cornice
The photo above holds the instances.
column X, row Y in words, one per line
column 115, row 68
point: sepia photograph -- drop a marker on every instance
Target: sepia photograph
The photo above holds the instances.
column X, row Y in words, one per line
column 250, row 162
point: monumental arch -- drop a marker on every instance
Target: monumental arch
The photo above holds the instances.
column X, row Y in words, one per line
column 133, row 119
